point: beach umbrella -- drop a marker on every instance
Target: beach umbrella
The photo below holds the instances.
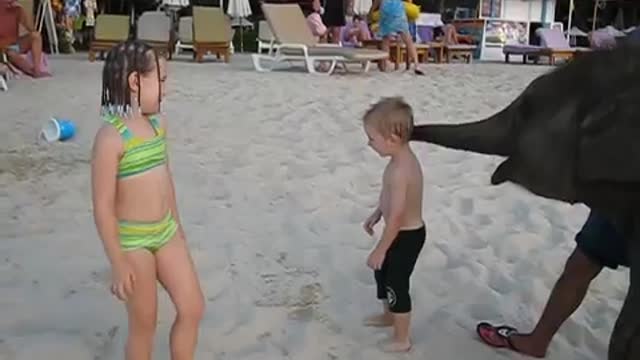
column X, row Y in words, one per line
column 361, row 7
column 239, row 9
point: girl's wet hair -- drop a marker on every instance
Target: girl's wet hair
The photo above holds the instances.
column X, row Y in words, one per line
column 122, row 60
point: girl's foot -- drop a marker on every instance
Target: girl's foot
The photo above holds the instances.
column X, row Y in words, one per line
column 381, row 320
column 395, row 347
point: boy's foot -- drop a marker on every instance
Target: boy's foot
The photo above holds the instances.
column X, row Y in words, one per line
column 381, row 320
column 395, row 347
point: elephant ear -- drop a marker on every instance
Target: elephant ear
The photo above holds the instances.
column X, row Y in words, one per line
column 544, row 153
column 609, row 145
column 585, row 145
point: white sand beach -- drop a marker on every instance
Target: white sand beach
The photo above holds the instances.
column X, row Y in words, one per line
column 274, row 179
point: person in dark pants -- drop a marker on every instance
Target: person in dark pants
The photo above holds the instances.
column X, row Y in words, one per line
column 334, row 17
column 599, row 245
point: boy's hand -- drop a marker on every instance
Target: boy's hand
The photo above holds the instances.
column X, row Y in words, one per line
column 376, row 258
column 123, row 280
column 371, row 222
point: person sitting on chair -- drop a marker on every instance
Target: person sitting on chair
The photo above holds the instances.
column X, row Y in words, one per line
column 12, row 15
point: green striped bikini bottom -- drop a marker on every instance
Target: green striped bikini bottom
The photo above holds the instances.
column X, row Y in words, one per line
column 135, row 235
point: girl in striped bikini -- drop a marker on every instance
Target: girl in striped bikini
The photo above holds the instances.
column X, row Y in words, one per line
column 134, row 203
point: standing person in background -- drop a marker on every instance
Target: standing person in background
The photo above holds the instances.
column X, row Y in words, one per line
column 393, row 23
column 334, row 17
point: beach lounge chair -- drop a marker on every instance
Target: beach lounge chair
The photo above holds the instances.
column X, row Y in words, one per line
column 265, row 39
column 297, row 43
column 211, row 33
column 4, row 71
column 557, row 46
column 553, row 45
column 154, row 28
column 463, row 50
column 185, row 34
column 110, row 30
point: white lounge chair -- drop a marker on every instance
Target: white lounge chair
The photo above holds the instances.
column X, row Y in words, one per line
column 4, row 71
column 185, row 34
column 297, row 43
column 266, row 40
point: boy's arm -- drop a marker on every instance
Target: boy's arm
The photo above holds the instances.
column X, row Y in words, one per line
column 172, row 191
column 104, row 165
column 397, row 202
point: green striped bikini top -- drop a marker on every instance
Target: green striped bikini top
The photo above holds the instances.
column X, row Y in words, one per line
column 140, row 155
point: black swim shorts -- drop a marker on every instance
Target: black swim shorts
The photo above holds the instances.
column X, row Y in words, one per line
column 392, row 279
column 602, row 242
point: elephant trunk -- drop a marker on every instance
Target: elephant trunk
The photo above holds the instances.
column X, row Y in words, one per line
column 491, row 136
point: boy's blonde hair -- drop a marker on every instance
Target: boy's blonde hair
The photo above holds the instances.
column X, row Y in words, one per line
column 391, row 116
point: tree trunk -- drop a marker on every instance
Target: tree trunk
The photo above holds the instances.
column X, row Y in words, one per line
column 625, row 339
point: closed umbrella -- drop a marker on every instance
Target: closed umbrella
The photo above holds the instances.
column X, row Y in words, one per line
column 239, row 9
column 361, row 7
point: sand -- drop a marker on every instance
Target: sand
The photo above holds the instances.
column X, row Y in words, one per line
column 274, row 179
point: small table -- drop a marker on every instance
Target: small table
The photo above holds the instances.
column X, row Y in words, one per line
column 398, row 51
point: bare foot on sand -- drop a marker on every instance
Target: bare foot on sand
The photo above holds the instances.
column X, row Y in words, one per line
column 395, row 347
column 382, row 320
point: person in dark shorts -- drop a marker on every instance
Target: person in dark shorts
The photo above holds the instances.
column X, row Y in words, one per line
column 598, row 245
column 392, row 280
column 388, row 125
column 334, row 17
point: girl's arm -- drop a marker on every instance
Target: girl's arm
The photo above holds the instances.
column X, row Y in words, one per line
column 104, row 165
column 172, row 189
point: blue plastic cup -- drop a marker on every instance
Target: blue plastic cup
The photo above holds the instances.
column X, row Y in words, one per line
column 58, row 130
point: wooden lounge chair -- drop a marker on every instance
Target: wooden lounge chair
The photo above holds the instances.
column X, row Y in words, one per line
column 110, row 30
column 211, row 33
column 154, row 28
column 553, row 45
column 463, row 50
column 297, row 43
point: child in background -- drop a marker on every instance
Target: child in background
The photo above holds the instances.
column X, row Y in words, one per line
column 388, row 125
column 355, row 32
column 134, row 203
column 314, row 21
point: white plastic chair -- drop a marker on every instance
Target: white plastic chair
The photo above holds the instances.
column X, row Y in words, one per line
column 266, row 40
column 3, row 75
column 185, row 34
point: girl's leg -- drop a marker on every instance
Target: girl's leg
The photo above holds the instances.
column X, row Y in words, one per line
column 142, row 306
column 408, row 41
column 177, row 274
